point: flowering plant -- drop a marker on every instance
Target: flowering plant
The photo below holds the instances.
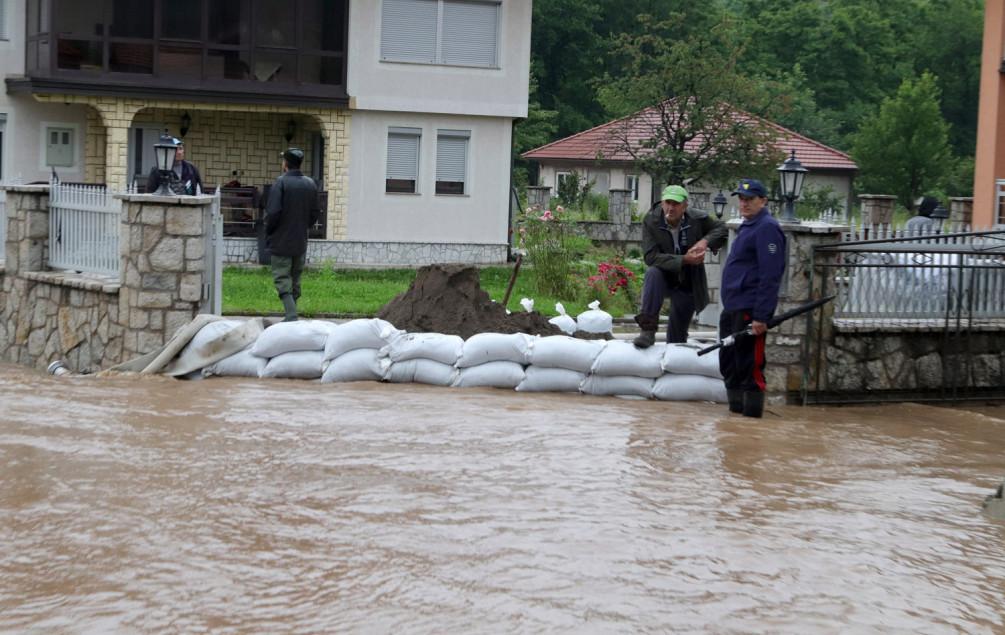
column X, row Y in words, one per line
column 610, row 276
column 544, row 235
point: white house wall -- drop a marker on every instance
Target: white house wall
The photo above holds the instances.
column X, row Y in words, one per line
column 480, row 216
column 407, row 87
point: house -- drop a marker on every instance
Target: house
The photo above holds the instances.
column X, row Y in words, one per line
column 599, row 156
column 404, row 108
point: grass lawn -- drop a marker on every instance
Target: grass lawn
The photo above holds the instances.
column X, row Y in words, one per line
column 363, row 292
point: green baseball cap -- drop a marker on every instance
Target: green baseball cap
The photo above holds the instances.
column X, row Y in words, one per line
column 674, row 193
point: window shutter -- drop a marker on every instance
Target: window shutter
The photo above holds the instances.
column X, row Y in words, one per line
column 403, row 154
column 470, row 33
column 451, row 155
column 408, row 30
column 3, row 19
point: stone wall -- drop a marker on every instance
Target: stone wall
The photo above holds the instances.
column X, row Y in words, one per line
column 94, row 322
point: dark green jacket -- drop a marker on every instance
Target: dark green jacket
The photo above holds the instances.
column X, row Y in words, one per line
column 658, row 247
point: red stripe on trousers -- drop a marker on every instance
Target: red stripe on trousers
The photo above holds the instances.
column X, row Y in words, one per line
column 759, row 361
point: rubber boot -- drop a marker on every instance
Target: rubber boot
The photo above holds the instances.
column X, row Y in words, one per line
column 735, row 397
column 290, row 307
column 648, row 324
column 753, row 404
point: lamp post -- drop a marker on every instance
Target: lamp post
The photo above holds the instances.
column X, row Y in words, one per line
column 791, row 174
column 940, row 214
column 164, row 154
column 719, row 204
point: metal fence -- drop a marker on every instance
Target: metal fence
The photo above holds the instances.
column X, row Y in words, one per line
column 84, row 226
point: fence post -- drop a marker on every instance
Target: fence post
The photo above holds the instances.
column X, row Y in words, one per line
column 961, row 211
column 877, row 209
column 538, row 195
column 619, row 206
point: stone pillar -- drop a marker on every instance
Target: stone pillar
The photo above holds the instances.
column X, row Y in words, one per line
column 164, row 267
column 619, row 208
column 538, row 195
column 877, row 209
column 27, row 228
column 335, row 126
column 961, row 210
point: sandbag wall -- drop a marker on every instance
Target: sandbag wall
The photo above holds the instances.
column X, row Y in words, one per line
column 374, row 350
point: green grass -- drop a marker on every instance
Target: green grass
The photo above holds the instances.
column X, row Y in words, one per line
column 363, row 292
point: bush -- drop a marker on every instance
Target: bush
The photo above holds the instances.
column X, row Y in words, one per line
column 547, row 238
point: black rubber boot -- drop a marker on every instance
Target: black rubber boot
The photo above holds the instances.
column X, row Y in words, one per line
column 753, row 404
column 290, row 307
column 735, row 397
column 648, row 324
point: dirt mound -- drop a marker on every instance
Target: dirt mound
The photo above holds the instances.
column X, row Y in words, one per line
column 449, row 299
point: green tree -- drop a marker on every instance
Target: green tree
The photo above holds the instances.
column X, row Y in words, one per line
column 904, row 149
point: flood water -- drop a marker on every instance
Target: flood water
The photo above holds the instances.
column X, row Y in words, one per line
column 150, row 505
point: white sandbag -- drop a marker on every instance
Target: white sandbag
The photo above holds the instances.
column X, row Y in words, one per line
column 671, row 387
column 197, row 349
column 624, row 358
column 562, row 351
column 595, row 320
column 363, row 333
column 492, row 374
column 361, row 364
column 286, row 337
column 682, row 359
column 295, row 365
column 623, row 385
column 240, row 364
column 434, row 346
column 495, row 347
column 420, row 371
column 540, row 379
column 563, row 321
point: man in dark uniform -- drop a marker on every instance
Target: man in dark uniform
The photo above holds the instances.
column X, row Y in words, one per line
column 750, row 283
column 185, row 178
column 674, row 242
column 291, row 211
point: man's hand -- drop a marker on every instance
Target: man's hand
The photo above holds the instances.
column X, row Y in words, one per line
column 696, row 254
column 758, row 328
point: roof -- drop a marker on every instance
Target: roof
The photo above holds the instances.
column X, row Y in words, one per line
column 601, row 143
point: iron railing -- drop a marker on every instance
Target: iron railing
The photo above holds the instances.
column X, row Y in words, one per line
column 84, row 226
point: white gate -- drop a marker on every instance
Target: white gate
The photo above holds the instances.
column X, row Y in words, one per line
column 212, row 290
column 84, row 226
column 3, row 226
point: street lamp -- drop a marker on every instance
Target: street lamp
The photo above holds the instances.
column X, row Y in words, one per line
column 719, row 204
column 164, row 154
column 791, row 174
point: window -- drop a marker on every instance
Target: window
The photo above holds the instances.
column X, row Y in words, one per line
column 403, row 160
column 562, row 177
column 632, row 183
column 451, row 160
column 3, row 19
column 59, row 144
column 458, row 32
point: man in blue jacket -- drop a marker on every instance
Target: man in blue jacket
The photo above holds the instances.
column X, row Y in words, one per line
column 750, row 283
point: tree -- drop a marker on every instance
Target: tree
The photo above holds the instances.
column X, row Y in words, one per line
column 692, row 113
column 904, row 148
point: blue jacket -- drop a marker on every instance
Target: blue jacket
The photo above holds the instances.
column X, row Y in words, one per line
column 753, row 271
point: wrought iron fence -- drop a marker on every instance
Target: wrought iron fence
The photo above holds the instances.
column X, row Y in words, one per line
column 84, row 225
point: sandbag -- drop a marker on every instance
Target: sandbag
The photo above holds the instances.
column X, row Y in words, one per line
column 420, row 371
column 682, row 359
column 361, row 364
column 492, row 374
column 199, row 348
column 495, row 347
column 540, row 379
column 671, row 387
column 563, row 321
column 287, row 337
column 295, row 365
column 595, row 320
column 622, row 385
column 432, row 346
column 562, row 351
column 624, row 358
column 240, row 364
column 362, row 333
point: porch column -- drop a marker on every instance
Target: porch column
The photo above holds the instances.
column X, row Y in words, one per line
column 335, row 128
column 117, row 115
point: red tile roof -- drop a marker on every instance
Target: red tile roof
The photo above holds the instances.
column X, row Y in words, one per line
column 602, row 143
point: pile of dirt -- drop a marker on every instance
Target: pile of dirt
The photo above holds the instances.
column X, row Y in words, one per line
column 448, row 299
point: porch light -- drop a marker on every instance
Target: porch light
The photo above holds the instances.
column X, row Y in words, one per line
column 791, row 173
column 164, row 154
column 719, row 204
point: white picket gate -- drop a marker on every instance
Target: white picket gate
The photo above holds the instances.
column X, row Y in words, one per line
column 84, row 227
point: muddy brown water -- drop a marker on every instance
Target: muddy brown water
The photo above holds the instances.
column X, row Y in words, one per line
column 149, row 505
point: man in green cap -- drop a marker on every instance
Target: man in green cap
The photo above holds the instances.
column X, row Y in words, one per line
column 674, row 242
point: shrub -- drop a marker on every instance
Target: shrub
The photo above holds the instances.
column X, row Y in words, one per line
column 547, row 239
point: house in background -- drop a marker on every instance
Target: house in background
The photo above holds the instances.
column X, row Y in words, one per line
column 598, row 155
column 405, row 108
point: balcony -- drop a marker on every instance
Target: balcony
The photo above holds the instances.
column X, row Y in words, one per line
column 246, row 51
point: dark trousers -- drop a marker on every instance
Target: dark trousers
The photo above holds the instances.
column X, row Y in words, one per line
column 742, row 364
column 286, row 271
column 656, row 287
